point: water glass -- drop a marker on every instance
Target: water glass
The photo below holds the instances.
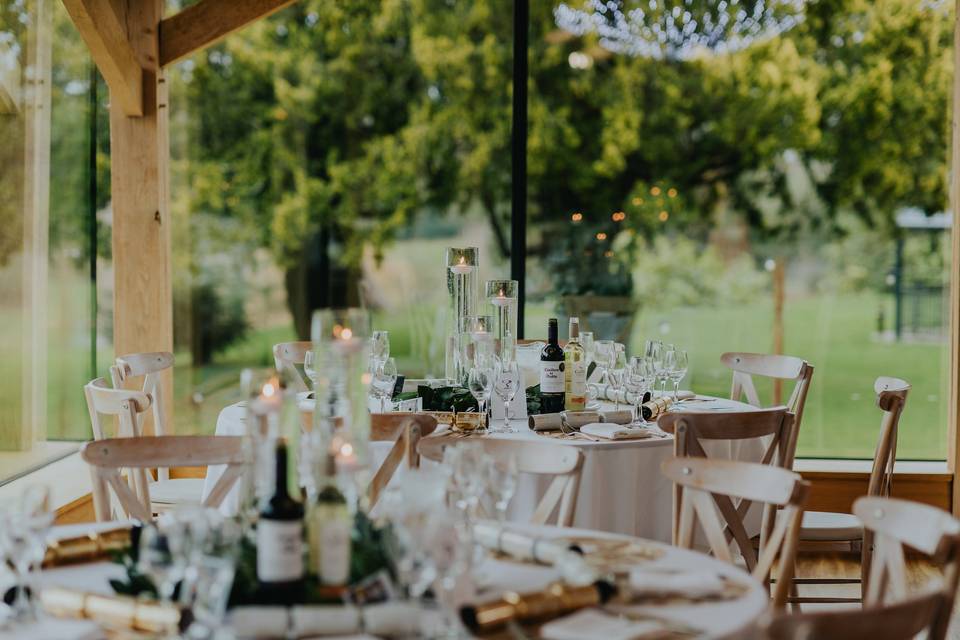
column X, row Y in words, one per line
column 675, row 365
column 310, row 366
column 655, row 351
column 384, row 379
column 640, row 374
column 502, row 483
column 379, row 346
column 480, row 384
column 605, row 353
column 212, row 580
column 507, row 385
column 587, row 341
column 160, row 558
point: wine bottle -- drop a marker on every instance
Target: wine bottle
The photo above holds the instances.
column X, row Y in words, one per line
column 329, row 530
column 551, row 372
column 574, row 370
column 280, row 539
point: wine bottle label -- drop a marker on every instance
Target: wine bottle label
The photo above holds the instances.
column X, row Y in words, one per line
column 330, row 542
column 551, row 377
column 279, row 550
column 578, row 379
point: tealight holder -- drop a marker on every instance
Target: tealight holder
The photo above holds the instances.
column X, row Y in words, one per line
column 463, row 280
column 501, row 296
column 476, row 344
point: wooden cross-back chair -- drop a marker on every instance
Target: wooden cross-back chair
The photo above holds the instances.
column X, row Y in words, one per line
column 901, row 621
column 149, row 366
column 563, row 462
column 125, row 406
column 701, row 481
column 894, row 524
column 405, row 430
column 777, row 367
column 286, row 355
column 844, row 529
column 690, row 428
column 108, row 456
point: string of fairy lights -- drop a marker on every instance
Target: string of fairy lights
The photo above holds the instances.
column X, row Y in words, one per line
column 660, row 203
column 678, row 29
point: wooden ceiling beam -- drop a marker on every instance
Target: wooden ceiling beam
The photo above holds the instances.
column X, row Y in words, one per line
column 200, row 25
column 106, row 37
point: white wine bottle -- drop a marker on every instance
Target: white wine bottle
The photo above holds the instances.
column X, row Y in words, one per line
column 574, row 370
column 329, row 530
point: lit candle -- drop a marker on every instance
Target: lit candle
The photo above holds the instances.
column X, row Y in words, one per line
column 500, row 299
column 461, row 268
column 270, row 398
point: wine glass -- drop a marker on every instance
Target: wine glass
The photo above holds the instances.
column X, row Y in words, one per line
column 379, row 346
column 675, row 365
column 654, row 350
column 309, row 366
column 480, row 383
column 384, row 379
column 158, row 560
column 639, row 374
column 605, row 352
column 507, row 384
column 587, row 341
column 502, row 483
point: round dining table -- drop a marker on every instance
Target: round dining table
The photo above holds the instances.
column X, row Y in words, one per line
column 621, row 487
column 693, row 615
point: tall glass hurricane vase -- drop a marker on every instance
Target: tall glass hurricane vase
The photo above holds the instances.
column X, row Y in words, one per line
column 340, row 340
column 501, row 296
column 463, row 280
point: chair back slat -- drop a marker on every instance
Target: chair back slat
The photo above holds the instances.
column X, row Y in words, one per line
column 551, row 459
column 286, row 355
column 151, row 366
column 891, row 399
column 899, row 621
column 777, row 367
column 708, row 488
column 894, row 524
column 106, row 457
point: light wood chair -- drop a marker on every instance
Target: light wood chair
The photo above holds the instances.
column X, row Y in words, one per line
column 125, row 408
column 779, row 368
column 690, row 429
column 405, row 430
column 843, row 529
column 286, row 355
column 901, row 621
column 892, row 525
column 563, row 462
column 702, row 481
column 108, row 456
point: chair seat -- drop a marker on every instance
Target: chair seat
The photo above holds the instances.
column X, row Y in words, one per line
column 177, row 491
column 828, row 526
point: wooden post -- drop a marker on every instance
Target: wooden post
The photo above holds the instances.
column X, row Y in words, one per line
column 35, row 94
column 779, row 287
column 953, row 415
column 139, row 154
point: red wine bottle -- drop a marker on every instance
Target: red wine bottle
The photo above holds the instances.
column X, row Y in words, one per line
column 551, row 372
column 280, row 540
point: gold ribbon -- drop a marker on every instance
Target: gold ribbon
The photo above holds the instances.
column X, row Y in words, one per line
column 655, row 408
column 87, row 548
column 556, row 600
column 119, row 612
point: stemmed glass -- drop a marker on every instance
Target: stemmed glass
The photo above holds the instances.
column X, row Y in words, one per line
column 502, row 484
column 384, row 379
column 675, row 366
column 23, row 532
column 161, row 560
column 480, row 383
column 379, row 346
column 605, row 353
column 309, row 366
column 507, row 384
column 640, row 376
column 654, row 351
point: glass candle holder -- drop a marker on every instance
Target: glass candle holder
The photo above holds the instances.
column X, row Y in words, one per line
column 341, row 419
column 501, row 296
column 476, row 344
column 463, row 279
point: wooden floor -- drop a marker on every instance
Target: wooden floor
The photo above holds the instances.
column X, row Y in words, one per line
column 846, row 565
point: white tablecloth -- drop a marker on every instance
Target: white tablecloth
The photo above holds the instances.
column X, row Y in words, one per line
column 621, row 487
column 712, row 618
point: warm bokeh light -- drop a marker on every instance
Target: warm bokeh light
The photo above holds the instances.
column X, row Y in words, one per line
column 655, row 191
column 346, row 334
column 601, row 236
column 346, row 449
column 269, row 390
column 577, row 217
column 618, row 216
column 663, row 216
column 671, row 192
column 637, row 201
column 366, row 378
column 608, row 254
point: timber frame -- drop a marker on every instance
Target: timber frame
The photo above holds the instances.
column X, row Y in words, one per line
column 131, row 41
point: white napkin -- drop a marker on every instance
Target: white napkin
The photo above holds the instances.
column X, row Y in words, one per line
column 611, row 431
column 693, row 584
column 54, row 629
column 588, row 624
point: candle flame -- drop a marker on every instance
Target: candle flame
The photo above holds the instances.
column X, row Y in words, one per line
column 501, row 293
column 463, row 260
column 346, row 450
column 366, row 378
column 269, row 390
column 346, row 334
